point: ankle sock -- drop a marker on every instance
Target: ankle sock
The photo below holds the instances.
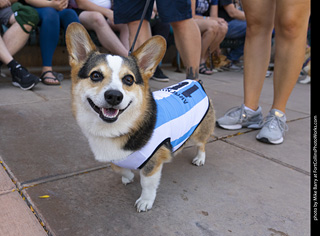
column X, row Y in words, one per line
column 249, row 109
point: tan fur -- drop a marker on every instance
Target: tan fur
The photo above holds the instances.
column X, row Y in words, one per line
column 163, row 155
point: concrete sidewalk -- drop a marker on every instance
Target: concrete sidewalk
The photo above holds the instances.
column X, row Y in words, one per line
column 51, row 184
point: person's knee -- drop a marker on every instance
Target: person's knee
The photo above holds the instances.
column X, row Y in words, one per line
column 49, row 16
column 213, row 27
column 223, row 29
column 26, row 16
column 288, row 27
column 98, row 19
column 28, row 28
column 257, row 25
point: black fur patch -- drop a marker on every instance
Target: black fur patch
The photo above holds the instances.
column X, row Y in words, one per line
column 139, row 138
column 93, row 60
column 131, row 62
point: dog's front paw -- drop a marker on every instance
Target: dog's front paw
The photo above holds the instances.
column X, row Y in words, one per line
column 143, row 204
column 199, row 160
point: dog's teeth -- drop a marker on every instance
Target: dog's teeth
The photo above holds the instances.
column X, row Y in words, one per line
column 110, row 112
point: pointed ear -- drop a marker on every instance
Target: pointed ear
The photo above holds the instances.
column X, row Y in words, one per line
column 150, row 54
column 79, row 43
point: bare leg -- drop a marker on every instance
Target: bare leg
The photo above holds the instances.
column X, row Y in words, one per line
column 108, row 39
column 259, row 15
column 291, row 24
column 291, row 21
column 144, row 34
column 15, row 38
column 208, row 33
column 124, row 33
column 222, row 31
column 188, row 41
column 5, row 55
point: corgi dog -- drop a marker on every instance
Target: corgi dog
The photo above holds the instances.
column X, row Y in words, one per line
column 125, row 123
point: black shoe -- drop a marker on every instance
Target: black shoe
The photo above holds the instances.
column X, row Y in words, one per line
column 160, row 76
column 2, row 74
column 22, row 78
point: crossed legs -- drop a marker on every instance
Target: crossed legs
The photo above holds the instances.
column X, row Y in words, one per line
column 109, row 40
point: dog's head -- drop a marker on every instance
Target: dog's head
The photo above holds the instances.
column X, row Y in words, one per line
column 110, row 93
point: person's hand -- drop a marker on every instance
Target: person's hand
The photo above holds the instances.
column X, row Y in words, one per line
column 109, row 14
column 5, row 3
column 60, row 4
column 221, row 21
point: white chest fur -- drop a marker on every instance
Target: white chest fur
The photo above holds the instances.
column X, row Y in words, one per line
column 107, row 150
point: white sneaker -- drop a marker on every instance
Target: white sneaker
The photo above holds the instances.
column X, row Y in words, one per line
column 306, row 80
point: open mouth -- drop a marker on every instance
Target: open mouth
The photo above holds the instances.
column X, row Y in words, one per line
column 107, row 114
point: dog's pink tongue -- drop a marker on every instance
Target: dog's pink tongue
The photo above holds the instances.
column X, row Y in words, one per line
column 110, row 112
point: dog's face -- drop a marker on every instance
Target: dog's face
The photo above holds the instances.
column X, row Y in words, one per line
column 109, row 92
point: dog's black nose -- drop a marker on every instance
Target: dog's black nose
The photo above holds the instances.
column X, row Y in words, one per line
column 113, row 97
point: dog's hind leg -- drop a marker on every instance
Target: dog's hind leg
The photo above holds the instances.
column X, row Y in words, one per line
column 127, row 175
column 202, row 135
column 200, row 159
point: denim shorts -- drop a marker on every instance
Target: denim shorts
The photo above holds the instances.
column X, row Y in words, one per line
column 126, row 11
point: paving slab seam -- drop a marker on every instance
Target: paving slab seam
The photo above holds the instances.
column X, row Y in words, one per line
column 268, row 158
column 300, row 118
column 47, row 179
column 9, row 173
column 24, row 196
column 224, row 139
column 35, row 102
column 21, row 103
column 21, row 189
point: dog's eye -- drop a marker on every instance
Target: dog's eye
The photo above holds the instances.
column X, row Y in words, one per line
column 128, row 80
column 96, row 76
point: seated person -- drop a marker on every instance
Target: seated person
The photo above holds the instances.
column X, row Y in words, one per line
column 213, row 30
column 237, row 26
column 97, row 15
column 159, row 28
column 15, row 38
column 52, row 14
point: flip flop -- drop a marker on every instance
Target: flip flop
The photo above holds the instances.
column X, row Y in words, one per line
column 57, row 77
column 203, row 69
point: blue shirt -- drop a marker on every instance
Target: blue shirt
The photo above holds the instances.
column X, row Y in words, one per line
column 180, row 109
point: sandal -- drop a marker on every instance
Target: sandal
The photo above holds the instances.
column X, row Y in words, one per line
column 203, row 69
column 58, row 77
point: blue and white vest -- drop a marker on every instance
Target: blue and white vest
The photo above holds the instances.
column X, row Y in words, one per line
column 180, row 109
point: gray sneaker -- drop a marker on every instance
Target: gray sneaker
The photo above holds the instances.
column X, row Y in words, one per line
column 273, row 128
column 239, row 117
